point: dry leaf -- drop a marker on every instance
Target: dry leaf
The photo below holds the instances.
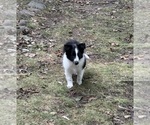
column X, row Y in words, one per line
column 60, row 82
column 114, row 44
column 139, row 57
column 127, row 116
column 142, row 116
column 25, row 50
column 65, row 117
column 53, row 113
column 91, row 99
column 125, row 57
column 31, row 55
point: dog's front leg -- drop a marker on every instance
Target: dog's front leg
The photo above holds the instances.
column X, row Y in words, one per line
column 80, row 76
column 69, row 79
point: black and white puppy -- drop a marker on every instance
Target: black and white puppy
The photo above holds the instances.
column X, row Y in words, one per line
column 74, row 61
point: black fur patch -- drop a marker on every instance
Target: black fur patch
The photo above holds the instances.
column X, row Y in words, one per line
column 84, row 63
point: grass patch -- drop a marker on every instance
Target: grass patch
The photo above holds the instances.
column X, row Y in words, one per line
column 43, row 97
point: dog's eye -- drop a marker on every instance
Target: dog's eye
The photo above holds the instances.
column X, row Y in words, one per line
column 74, row 54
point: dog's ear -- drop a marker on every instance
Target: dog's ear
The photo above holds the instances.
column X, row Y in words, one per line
column 67, row 47
column 82, row 46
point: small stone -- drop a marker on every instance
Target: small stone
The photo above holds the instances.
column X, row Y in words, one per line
column 25, row 31
column 34, row 4
column 8, row 23
column 78, row 98
column 12, row 38
column 26, row 13
column 10, row 13
column 22, row 22
column 10, row 30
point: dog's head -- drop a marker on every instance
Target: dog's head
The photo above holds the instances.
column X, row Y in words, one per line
column 74, row 51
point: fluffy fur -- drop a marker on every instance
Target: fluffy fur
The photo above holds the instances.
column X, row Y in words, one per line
column 74, row 61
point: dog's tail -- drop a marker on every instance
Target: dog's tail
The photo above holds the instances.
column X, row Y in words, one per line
column 86, row 56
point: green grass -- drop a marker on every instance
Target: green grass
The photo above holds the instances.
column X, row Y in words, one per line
column 99, row 82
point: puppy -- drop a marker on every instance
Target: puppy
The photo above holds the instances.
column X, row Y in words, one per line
column 74, row 61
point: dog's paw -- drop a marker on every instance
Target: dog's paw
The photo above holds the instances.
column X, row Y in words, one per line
column 69, row 86
column 79, row 82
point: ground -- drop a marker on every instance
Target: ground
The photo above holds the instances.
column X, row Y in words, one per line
column 106, row 95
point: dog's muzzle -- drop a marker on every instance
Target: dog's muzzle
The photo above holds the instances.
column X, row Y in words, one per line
column 76, row 62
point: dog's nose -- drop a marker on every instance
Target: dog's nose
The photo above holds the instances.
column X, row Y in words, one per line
column 76, row 62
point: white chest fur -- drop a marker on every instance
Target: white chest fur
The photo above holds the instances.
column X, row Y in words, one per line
column 70, row 68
